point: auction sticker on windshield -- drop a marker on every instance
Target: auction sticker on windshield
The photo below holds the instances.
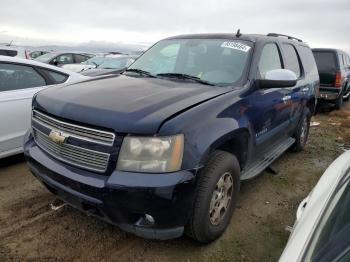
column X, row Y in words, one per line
column 236, row 45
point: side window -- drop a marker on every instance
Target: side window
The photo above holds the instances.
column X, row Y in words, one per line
column 342, row 60
column 308, row 60
column 56, row 76
column 65, row 59
column 291, row 59
column 347, row 60
column 270, row 59
column 80, row 58
column 11, row 53
column 14, row 77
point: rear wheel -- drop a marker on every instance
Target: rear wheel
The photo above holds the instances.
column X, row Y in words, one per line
column 218, row 188
column 302, row 133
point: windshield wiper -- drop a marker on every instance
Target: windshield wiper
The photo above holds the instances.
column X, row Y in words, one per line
column 139, row 71
column 185, row 76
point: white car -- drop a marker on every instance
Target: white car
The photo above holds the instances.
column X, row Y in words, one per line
column 322, row 228
column 20, row 79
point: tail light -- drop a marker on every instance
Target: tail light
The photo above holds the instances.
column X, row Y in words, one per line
column 338, row 79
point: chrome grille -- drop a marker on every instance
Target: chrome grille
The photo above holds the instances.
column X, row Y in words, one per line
column 77, row 156
column 89, row 134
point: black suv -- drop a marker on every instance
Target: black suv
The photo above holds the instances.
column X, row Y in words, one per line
column 162, row 148
column 334, row 70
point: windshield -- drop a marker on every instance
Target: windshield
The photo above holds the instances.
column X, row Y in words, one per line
column 45, row 58
column 218, row 61
column 115, row 63
column 97, row 60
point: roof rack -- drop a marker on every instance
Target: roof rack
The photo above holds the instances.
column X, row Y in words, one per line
column 287, row 36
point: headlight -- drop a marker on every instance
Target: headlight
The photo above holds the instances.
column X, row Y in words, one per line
column 151, row 154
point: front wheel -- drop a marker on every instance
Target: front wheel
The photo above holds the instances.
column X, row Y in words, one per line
column 302, row 133
column 217, row 192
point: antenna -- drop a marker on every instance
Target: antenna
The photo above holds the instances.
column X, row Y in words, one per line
column 238, row 34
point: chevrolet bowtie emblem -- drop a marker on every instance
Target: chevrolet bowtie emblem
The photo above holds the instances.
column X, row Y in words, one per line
column 58, row 137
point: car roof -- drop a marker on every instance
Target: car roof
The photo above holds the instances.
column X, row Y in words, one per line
column 70, row 52
column 36, row 63
column 329, row 50
column 118, row 56
column 244, row 37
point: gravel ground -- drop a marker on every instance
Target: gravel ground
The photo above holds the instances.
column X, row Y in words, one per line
column 30, row 231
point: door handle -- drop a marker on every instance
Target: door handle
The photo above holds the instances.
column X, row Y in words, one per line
column 286, row 98
column 305, row 89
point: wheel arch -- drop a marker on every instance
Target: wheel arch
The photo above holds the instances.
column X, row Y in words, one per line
column 236, row 142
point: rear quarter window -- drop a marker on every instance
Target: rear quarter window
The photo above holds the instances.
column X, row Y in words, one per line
column 326, row 61
column 308, row 60
column 57, row 77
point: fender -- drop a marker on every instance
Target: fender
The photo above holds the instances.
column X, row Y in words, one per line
column 207, row 127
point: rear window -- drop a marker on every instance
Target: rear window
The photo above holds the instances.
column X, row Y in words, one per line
column 326, row 61
column 5, row 52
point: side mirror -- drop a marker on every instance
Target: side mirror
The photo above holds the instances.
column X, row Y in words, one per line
column 278, row 78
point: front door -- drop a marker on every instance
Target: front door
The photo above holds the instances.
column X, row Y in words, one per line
column 18, row 84
column 269, row 110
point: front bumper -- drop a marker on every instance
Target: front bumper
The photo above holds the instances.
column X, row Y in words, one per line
column 123, row 198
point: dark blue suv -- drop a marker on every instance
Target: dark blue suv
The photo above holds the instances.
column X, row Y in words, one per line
column 161, row 149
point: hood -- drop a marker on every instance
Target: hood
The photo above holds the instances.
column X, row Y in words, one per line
column 101, row 71
column 124, row 104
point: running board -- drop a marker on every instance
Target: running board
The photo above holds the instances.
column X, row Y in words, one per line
column 261, row 164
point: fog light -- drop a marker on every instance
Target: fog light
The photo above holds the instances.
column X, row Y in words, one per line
column 149, row 219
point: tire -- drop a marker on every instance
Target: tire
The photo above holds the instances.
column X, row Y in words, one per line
column 339, row 102
column 302, row 133
column 202, row 225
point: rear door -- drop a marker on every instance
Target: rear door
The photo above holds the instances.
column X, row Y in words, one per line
column 18, row 84
column 298, row 92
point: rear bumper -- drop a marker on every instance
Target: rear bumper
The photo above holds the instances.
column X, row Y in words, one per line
column 329, row 93
column 122, row 198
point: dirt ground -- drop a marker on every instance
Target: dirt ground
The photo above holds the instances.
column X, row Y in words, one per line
column 31, row 231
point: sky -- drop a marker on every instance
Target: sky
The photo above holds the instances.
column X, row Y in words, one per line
column 320, row 23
